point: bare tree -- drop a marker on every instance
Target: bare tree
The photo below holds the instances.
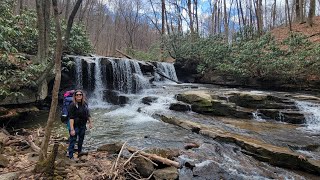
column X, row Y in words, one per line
column 43, row 17
column 288, row 15
column 54, row 102
column 312, row 10
column 70, row 21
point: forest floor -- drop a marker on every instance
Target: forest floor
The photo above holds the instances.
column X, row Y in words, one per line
column 19, row 154
column 313, row 33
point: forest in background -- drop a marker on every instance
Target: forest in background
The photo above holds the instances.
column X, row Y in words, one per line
column 229, row 37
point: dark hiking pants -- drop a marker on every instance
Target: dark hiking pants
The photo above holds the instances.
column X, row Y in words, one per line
column 80, row 132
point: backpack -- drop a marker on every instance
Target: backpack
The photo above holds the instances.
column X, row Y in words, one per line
column 67, row 100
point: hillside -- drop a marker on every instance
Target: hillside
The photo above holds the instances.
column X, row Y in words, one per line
column 313, row 32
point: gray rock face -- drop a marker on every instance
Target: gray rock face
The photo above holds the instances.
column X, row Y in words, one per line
column 242, row 104
column 29, row 95
column 211, row 170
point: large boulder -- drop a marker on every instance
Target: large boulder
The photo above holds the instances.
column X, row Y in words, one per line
column 113, row 148
column 114, row 97
column 143, row 166
column 180, row 106
column 168, row 173
column 148, row 100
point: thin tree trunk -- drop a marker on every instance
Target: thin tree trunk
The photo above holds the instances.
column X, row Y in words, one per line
column 70, row 22
column 311, row 14
column 54, row 102
column 297, row 9
column 288, row 15
column 196, row 15
column 190, row 17
column 20, row 7
column 274, row 11
column 226, row 25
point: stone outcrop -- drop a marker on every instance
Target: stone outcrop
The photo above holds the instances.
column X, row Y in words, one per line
column 28, row 95
column 242, row 104
column 180, row 107
column 168, row 173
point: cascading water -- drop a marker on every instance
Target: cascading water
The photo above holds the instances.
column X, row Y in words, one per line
column 98, row 86
column 167, row 69
column 90, row 77
column 127, row 76
column 311, row 113
column 79, row 72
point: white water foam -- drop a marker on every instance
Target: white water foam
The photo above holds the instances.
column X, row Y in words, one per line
column 311, row 112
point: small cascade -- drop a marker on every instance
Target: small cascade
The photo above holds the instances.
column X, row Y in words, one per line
column 257, row 116
column 311, row 113
column 98, row 86
column 90, row 77
column 79, row 73
column 127, row 76
column 167, row 69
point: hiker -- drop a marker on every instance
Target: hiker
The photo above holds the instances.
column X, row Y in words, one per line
column 67, row 100
column 79, row 116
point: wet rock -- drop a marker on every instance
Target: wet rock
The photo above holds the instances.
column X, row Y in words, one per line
column 146, row 67
column 180, row 107
column 148, row 100
column 293, row 117
column 259, row 149
column 257, row 100
column 3, row 161
column 113, row 148
column 185, row 174
column 211, row 170
column 191, row 145
column 114, row 97
column 165, row 153
column 143, row 166
column 168, row 173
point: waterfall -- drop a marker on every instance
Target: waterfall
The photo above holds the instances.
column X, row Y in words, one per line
column 311, row 113
column 127, row 76
column 89, row 76
column 98, row 86
column 167, row 69
column 79, row 72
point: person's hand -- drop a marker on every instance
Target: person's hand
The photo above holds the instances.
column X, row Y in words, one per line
column 90, row 125
column 72, row 132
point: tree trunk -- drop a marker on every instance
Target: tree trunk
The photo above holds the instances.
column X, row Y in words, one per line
column 288, row 15
column 226, row 24
column 70, row 22
column 297, row 9
column 43, row 17
column 55, row 90
column 259, row 16
column 274, row 11
column 196, row 15
column 302, row 10
column 190, row 18
column 312, row 10
column 20, row 7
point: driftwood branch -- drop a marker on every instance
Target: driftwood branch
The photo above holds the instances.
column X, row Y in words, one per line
column 156, row 157
column 32, row 144
column 160, row 73
column 126, row 55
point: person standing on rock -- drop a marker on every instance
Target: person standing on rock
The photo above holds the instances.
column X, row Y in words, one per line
column 79, row 117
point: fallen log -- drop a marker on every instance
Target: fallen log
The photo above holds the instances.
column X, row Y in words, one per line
column 158, row 72
column 126, row 55
column 155, row 157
